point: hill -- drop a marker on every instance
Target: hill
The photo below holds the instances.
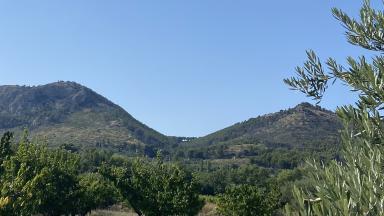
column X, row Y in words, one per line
column 67, row 112
column 280, row 139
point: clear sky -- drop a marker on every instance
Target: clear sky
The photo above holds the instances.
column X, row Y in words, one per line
column 183, row 67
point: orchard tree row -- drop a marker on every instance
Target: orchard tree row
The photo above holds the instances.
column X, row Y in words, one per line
column 35, row 179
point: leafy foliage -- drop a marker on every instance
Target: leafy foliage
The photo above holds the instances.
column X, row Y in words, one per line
column 38, row 180
column 353, row 185
column 248, row 200
column 215, row 181
column 96, row 192
column 157, row 188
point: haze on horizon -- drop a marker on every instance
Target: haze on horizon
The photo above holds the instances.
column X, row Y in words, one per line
column 184, row 68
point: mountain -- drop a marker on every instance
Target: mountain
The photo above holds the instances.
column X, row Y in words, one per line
column 292, row 134
column 67, row 112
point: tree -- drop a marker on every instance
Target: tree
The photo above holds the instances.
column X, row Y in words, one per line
column 353, row 185
column 164, row 189
column 38, row 180
column 153, row 187
column 5, row 148
column 96, row 192
column 248, row 200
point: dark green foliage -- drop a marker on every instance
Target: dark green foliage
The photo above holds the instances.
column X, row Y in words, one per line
column 91, row 159
column 39, row 180
column 70, row 147
column 5, row 146
column 247, row 200
column 155, row 187
column 286, row 180
column 120, row 175
column 51, row 192
column 164, row 189
column 96, row 192
column 214, row 182
column 5, row 149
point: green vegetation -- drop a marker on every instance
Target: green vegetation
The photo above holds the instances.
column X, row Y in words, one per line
column 353, row 185
column 290, row 128
column 92, row 158
column 164, row 189
column 38, row 180
column 216, row 180
column 96, row 192
column 68, row 113
column 248, row 200
column 155, row 187
column 279, row 140
column 95, row 155
column 99, row 150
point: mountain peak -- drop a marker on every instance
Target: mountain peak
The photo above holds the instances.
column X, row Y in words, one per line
column 264, row 139
column 62, row 83
column 306, row 105
column 66, row 111
column 297, row 127
column 50, row 103
column 65, row 86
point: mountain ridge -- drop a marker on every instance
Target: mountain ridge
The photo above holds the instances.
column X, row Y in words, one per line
column 69, row 112
column 299, row 132
column 268, row 119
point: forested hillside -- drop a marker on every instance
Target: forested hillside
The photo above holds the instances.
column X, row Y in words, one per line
column 277, row 140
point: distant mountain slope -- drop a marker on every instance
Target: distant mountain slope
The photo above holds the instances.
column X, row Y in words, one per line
column 67, row 112
column 297, row 127
column 303, row 129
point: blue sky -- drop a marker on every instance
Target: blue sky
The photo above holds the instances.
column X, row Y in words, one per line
column 184, row 68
